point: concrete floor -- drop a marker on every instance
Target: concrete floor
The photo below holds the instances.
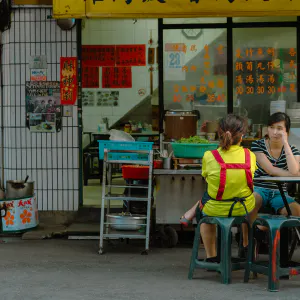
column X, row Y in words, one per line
column 64, row 269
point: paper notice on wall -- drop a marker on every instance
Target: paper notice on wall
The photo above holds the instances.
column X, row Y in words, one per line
column 118, row 77
column 131, row 55
column 68, row 111
column 98, row 55
column 108, row 98
column 38, row 62
column 43, row 108
column 174, row 66
column 90, row 77
column 38, row 75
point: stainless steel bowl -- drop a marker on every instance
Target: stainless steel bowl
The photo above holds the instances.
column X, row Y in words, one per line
column 19, row 189
column 125, row 221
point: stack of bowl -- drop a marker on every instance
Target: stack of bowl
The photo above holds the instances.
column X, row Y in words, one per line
column 294, row 112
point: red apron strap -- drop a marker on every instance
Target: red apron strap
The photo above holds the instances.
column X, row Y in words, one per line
column 248, row 169
column 222, row 164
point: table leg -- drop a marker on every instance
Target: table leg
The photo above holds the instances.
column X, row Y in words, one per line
column 284, row 236
column 279, row 184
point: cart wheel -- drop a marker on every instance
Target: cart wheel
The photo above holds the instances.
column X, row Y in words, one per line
column 101, row 251
column 170, row 238
column 145, row 252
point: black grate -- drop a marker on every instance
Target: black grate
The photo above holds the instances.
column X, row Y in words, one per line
column 50, row 159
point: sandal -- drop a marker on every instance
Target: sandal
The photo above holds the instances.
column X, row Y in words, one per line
column 184, row 221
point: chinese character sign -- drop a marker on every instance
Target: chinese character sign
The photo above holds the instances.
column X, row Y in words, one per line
column 68, row 80
column 118, row 77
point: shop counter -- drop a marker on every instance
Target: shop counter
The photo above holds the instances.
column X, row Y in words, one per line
column 176, row 192
column 22, row 214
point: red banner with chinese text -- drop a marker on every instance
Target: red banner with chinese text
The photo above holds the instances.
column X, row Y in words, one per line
column 116, row 77
column 90, row 77
column 98, row 55
column 68, row 80
column 131, row 55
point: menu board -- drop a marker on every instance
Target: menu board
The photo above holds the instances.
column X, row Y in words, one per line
column 116, row 77
column 98, row 55
column 130, row 55
column 210, row 87
column 90, row 77
column 265, row 71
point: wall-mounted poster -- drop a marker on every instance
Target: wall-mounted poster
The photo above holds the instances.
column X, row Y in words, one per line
column 131, row 55
column 68, row 111
column 43, row 108
column 88, row 98
column 98, row 55
column 38, row 62
column 38, row 75
column 90, row 77
column 116, row 77
column 107, row 98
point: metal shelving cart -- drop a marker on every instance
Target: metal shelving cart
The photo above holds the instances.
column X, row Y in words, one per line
column 129, row 153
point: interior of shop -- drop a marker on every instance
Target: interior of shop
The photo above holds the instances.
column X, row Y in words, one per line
column 134, row 103
column 194, row 76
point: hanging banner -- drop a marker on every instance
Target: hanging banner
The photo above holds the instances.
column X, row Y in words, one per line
column 118, row 77
column 68, row 80
column 131, row 55
column 98, row 55
column 173, row 8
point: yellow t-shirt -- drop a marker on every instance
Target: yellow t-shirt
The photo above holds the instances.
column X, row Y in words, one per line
column 236, row 183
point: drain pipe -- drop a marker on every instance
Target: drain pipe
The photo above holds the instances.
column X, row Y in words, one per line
column 2, row 115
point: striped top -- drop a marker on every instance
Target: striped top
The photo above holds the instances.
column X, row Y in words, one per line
column 261, row 146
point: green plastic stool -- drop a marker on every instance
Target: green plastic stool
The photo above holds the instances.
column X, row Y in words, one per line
column 227, row 263
column 278, row 265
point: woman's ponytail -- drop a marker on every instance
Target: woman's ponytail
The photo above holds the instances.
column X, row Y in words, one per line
column 226, row 141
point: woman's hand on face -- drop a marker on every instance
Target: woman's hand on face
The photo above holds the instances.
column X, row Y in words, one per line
column 284, row 137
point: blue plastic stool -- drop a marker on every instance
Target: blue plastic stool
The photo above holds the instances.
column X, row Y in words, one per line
column 277, row 266
column 227, row 263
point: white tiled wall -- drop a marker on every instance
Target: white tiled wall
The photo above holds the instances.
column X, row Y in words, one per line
column 50, row 159
column 120, row 32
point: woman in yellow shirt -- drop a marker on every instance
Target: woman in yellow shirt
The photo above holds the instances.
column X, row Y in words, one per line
column 229, row 172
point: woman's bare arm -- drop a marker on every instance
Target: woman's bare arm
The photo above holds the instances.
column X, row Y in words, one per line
column 263, row 161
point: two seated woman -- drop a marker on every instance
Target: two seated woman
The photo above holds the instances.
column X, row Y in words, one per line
column 229, row 173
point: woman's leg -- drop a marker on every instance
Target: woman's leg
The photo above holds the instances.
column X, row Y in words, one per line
column 190, row 214
column 208, row 234
column 252, row 217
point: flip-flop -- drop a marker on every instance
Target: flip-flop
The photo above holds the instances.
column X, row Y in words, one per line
column 184, row 221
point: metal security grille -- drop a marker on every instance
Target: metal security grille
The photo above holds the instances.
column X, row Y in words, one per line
column 50, row 159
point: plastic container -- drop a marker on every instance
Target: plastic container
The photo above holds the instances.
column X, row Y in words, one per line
column 123, row 146
column 277, row 106
column 127, row 156
column 135, row 172
column 192, row 150
column 118, row 135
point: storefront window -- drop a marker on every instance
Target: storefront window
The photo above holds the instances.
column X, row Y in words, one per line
column 264, row 19
column 265, row 69
column 194, row 20
column 195, row 76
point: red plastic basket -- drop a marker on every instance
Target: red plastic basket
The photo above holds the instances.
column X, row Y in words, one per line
column 135, row 172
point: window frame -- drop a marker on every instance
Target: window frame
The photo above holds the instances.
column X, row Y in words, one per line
column 229, row 26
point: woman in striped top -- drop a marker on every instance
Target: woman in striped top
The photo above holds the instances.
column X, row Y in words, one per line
column 275, row 157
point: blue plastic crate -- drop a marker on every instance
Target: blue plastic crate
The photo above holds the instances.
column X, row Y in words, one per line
column 127, row 156
column 123, row 146
column 192, row 150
